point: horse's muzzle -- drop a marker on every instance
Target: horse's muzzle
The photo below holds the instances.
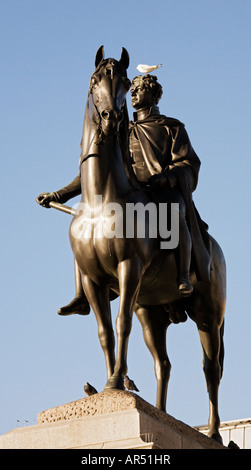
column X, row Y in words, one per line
column 110, row 121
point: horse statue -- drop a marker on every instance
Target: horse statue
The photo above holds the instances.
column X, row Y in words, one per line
column 135, row 269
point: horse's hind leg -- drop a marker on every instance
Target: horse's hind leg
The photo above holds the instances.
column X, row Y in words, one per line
column 212, row 343
column 154, row 321
column 100, row 303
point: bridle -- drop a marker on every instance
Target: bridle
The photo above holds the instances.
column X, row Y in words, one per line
column 111, row 68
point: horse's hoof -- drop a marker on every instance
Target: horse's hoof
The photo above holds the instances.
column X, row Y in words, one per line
column 115, row 382
column 216, row 437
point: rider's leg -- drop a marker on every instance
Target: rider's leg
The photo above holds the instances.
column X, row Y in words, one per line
column 185, row 244
column 185, row 248
column 80, row 303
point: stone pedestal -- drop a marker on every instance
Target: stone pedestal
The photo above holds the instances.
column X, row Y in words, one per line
column 111, row 419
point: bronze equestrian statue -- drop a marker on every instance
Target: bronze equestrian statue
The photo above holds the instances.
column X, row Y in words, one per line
column 150, row 159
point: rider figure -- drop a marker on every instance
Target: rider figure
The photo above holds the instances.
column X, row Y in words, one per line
column 161, row 157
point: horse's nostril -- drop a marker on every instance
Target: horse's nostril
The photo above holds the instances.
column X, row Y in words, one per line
column 111, row 116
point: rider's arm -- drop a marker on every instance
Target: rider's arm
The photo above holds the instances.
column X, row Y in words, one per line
column 184, row 159
column 72, row 189
column 68, row 192
column 62, row 195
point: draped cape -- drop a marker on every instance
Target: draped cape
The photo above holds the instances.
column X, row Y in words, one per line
column 163, row 146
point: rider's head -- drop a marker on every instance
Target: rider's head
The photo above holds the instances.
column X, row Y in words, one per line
column 145, row 91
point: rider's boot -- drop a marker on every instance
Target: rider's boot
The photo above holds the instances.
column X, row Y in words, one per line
column 79, row 305
column 185, row 287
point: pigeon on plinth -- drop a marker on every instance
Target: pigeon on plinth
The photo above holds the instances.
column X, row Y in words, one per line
column 89, row 389
column 129, row 384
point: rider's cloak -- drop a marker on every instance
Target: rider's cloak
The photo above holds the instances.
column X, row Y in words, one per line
column 160, row 144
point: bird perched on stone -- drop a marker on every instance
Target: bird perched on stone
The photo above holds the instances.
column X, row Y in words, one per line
column 129, row 384
column 89, row 389
column 233, row 445
column 143, row 68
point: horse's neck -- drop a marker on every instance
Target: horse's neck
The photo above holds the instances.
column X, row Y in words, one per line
column 103, row 173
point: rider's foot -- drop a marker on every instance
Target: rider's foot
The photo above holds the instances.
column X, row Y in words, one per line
column 185, row 288
column 79, row 305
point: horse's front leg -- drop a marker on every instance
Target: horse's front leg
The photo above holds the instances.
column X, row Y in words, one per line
column 154, row 321
column 98, row 298
column 129, row 275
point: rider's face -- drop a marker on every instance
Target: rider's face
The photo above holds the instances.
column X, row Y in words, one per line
column 141, row 97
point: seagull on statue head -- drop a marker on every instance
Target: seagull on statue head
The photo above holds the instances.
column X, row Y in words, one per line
column 143, row 68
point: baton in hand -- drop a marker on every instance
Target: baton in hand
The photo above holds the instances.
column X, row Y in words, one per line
column 62, row 208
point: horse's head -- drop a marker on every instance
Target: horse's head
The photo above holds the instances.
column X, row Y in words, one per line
column 108, row 87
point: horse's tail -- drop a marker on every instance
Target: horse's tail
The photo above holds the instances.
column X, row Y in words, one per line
column 219, row 267
column 222, row 351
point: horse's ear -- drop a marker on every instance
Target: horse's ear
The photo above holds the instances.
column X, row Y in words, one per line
column 99, row 56
column 124, row 59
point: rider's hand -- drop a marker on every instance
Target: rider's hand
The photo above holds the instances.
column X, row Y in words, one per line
column 45, row 198
column 158, row 181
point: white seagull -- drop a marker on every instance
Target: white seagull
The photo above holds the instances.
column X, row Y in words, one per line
column 143, row 68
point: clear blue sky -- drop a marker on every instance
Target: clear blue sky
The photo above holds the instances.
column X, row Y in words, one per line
column 47, row 57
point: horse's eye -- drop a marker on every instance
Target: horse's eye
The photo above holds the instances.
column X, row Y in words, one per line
column 94, row 81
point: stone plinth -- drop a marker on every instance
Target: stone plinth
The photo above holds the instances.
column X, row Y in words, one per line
column 111, row 419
